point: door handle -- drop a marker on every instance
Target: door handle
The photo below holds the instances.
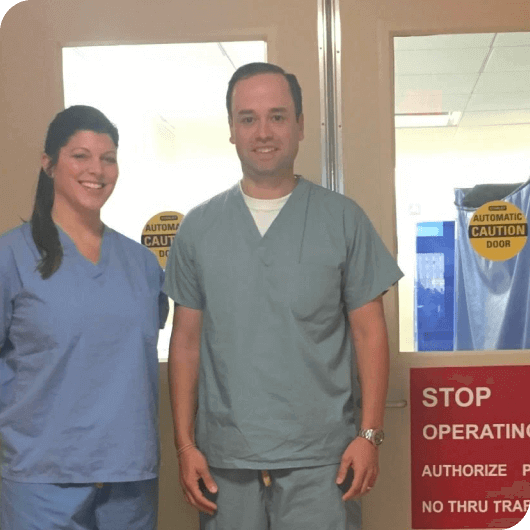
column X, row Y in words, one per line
column 399, row 404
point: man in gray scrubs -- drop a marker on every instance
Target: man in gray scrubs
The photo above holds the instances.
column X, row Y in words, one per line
column 272, row 280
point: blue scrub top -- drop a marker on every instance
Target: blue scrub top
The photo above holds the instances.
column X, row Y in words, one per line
column 277, row 382
column 78, row 362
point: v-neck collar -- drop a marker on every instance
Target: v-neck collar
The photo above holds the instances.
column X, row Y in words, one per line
column 92, row 269
column 250, row 228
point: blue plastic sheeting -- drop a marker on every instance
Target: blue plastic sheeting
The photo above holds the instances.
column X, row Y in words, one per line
column 435, row 255
column 493, row 297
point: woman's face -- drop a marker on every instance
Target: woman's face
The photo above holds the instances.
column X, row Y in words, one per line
column 85, row 173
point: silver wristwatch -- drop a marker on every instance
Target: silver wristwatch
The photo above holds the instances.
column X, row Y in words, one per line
column 375, row 436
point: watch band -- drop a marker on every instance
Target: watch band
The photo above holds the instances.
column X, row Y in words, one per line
column 375, row 436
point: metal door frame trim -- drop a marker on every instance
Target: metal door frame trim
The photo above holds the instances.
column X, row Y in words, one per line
column 329, row 51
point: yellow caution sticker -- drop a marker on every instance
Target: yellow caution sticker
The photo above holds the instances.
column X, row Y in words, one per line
column 498, row 230
column 159, row 232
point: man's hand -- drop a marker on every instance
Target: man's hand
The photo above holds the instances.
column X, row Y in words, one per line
column 193, row 467
column 363, row 458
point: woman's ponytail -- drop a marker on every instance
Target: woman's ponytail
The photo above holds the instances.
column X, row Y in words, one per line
column 43, row 229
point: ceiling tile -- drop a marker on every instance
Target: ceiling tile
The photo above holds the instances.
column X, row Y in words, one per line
column 437, row 73
column 503, row 117
column 503, row 82
column 506, row 101
column 436, row 42
column 448, row 61
column 509, row 59
column 424, row 102
column 512, row 39
column 446, row 83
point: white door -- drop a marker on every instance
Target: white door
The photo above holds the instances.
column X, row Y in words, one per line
column 368, row 28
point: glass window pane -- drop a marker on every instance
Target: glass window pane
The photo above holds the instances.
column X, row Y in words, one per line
column 462, row 105
column 168, row 102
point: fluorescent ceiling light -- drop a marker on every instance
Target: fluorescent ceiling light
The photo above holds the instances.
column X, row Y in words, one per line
column 438, row 119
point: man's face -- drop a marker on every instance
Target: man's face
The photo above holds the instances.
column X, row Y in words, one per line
column 263, row 126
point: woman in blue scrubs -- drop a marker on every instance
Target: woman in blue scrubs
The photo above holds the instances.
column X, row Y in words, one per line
column 80, row 310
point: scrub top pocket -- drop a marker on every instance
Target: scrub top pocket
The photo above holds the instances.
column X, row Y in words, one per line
column 314, row 292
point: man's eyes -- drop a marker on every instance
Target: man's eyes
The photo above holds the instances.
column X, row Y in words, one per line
column 250, row 119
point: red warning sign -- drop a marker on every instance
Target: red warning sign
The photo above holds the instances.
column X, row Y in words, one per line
column 470, row 446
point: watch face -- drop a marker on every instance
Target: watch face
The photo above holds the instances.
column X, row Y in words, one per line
column 378, row 437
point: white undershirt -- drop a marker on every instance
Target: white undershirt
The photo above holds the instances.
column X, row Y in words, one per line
column 264, row 211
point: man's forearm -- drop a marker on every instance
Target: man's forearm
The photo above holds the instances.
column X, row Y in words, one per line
column 183, row 378
column 371, row 346
column 183, row 371
column 373, row 374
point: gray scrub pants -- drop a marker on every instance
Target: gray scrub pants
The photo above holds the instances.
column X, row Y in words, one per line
column 297, row 499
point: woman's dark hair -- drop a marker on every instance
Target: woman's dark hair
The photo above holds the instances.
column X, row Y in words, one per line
column 61, row 129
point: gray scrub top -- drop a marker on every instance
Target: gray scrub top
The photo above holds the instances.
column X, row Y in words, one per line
column 277, row 381
column 78, row 362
